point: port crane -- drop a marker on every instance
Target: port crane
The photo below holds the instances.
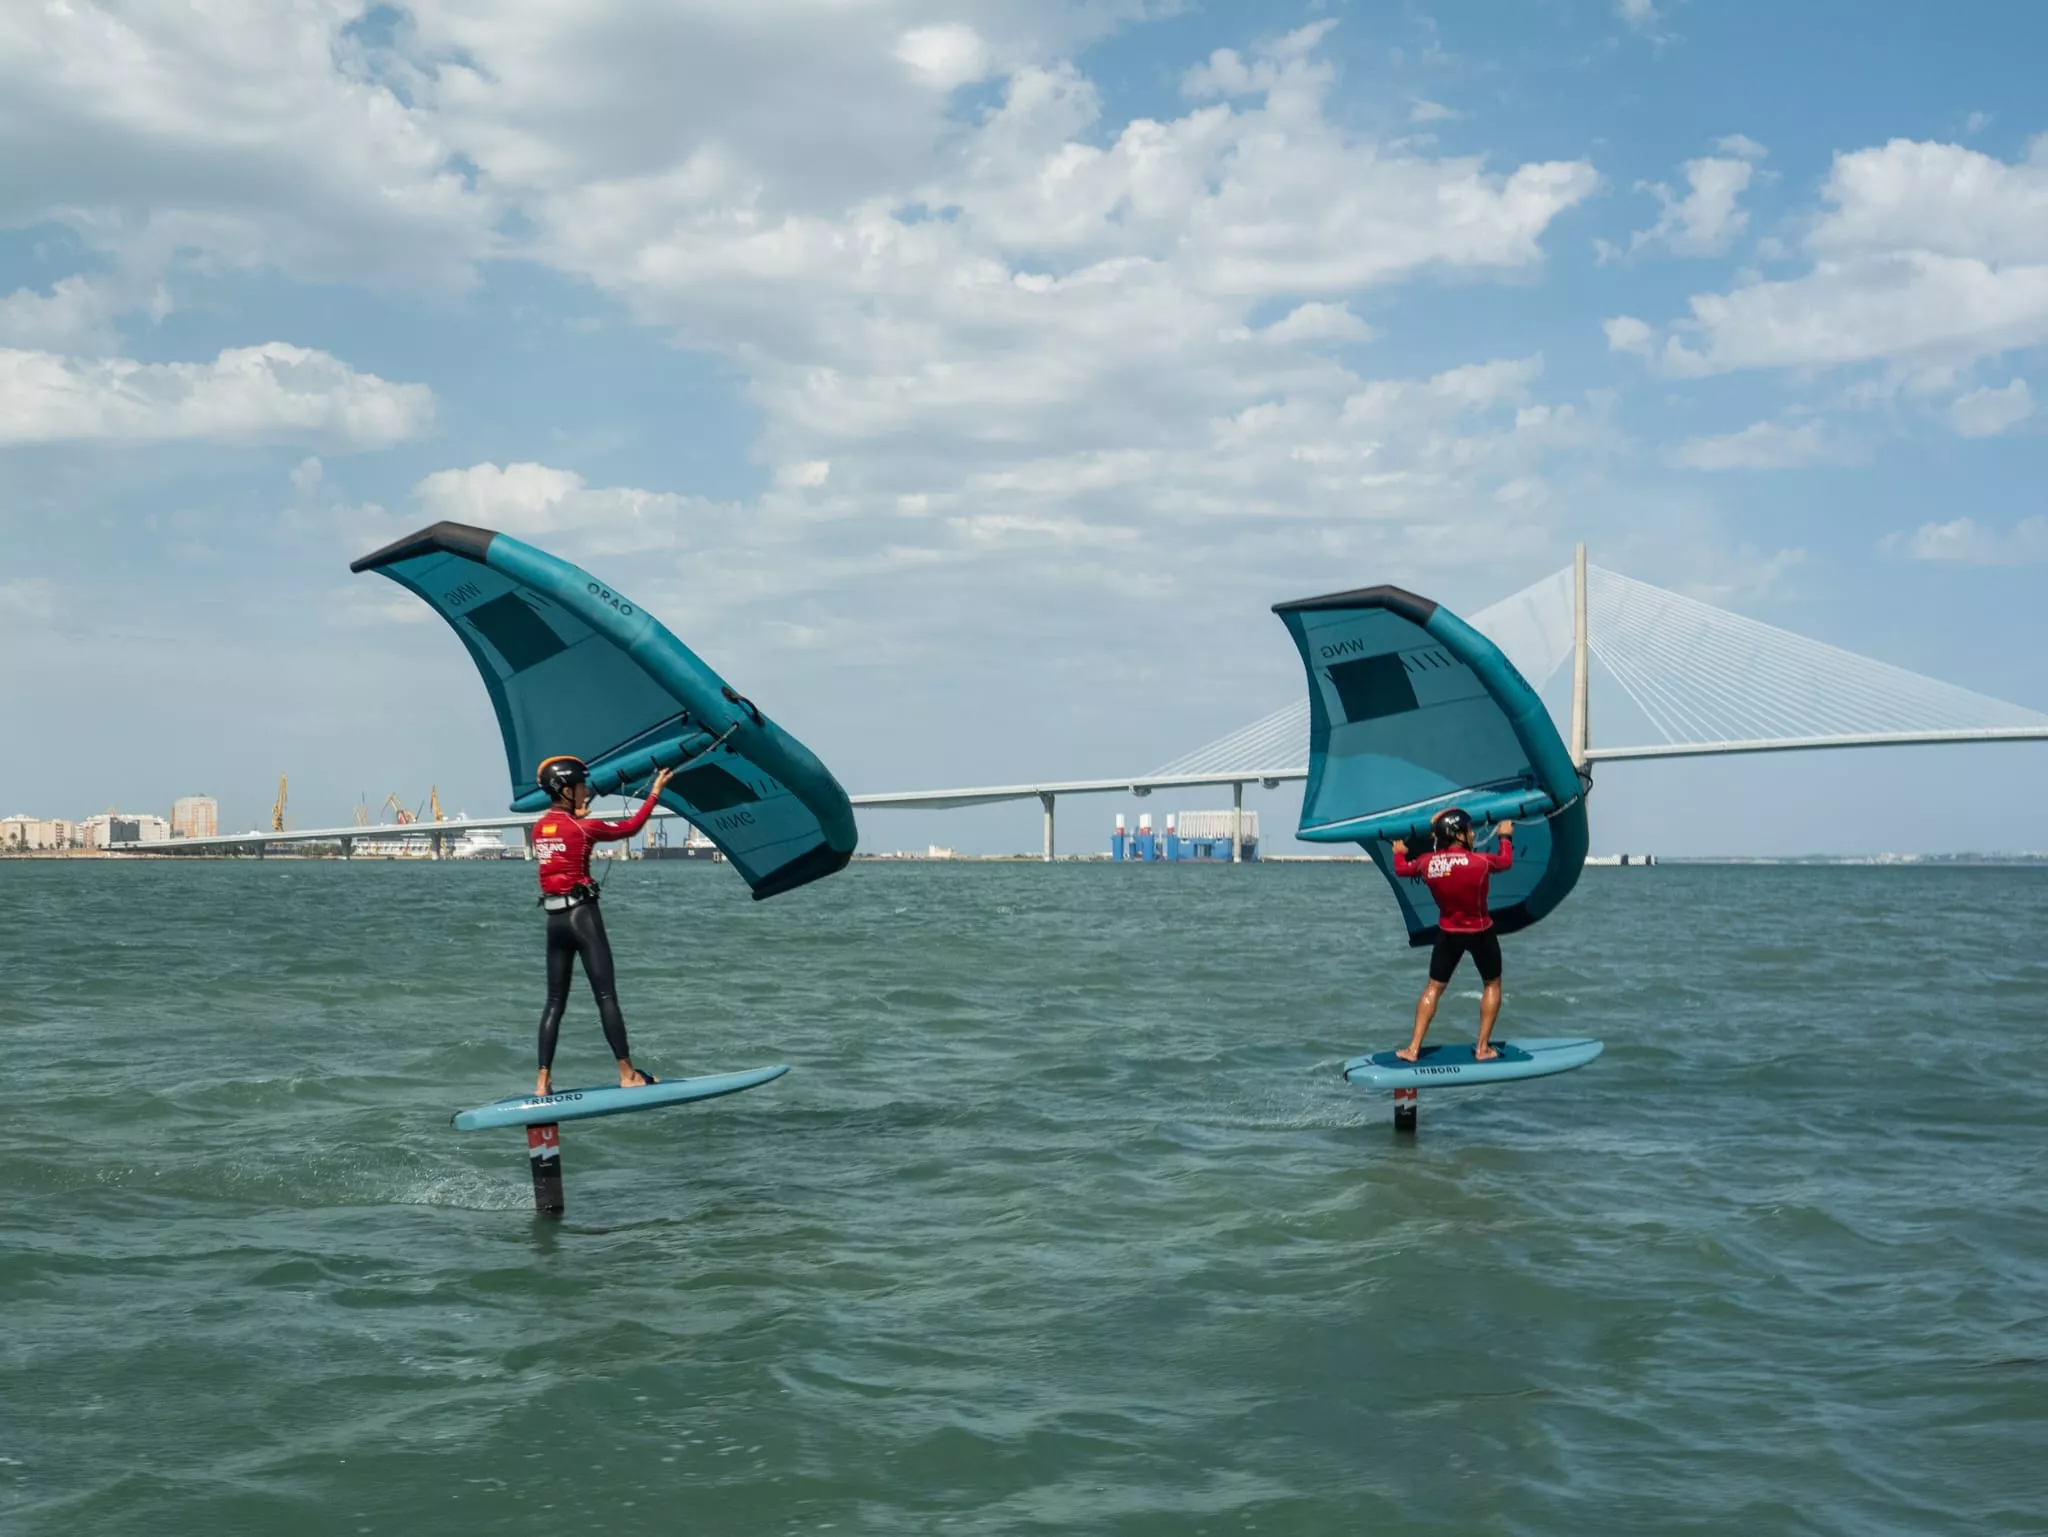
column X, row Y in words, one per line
column 277, row 811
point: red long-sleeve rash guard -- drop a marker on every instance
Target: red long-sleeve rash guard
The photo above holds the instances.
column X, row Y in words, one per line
column 1457, row 879
column 563, row 843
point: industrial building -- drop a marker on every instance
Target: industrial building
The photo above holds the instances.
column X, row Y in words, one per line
column 1189, row 835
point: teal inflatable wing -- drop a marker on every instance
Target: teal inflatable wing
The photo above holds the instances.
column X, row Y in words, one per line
column 1412, row 710
column 573, row 666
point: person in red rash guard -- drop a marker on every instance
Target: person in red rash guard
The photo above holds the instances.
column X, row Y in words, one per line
column 1457, row 876
column 562, row 840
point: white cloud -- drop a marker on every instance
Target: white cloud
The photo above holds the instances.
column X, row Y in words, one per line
column 1086, row 301
column 1939, row 198
column 1013, row 335
column 1763, row 446
column 1709, row 217
column 1316, row 323
column 523, row 498
column 753, row 547
column 1004, row 527
column 241, row 133
column 269, row 392
column 1289, row 62
column 946, row 56
column 1976, row 123
column 811, row 472
column 1319, row 476
column 1430, row 112
column 1987, row 412
column 76, row 315
column 307, row 475
column 1866, row 309
column 1627, row 334
column 1930, row 253
column 1964, row 541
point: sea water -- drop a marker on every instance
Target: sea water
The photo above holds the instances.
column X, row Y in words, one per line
column 1063, row 1221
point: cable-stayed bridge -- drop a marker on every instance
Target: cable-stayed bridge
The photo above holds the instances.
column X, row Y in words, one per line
column 1707, row 681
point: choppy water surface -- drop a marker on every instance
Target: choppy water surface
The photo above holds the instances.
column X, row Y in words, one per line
column 1063, row 1222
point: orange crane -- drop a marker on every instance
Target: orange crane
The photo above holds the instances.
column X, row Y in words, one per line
column 362, row 812
column 434, row 799
column 400, row 814
column 277, row 811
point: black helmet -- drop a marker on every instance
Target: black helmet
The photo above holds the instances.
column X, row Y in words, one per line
column 1452, row 826
column 558, row 776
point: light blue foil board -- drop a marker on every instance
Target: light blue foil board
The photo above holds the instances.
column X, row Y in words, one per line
column 1453, row 1067
column 581, row 1104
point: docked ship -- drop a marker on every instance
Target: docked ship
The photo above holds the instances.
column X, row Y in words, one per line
column 694, row 845
column 470, row 843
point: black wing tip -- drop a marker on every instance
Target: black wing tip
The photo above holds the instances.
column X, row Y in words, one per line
column 815, row 865
column 449, row 538
column 1397, row 600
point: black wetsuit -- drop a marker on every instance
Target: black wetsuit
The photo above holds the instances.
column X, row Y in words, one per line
column 575, row 931
column 563, row 841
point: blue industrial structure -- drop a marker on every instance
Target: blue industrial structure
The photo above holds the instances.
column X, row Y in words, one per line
column 1200, row 835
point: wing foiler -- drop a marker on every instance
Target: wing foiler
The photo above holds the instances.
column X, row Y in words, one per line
column 1412, row 710
column 572, row 666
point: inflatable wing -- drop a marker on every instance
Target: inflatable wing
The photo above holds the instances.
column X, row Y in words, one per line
column 1412, row 710
column 573, row 666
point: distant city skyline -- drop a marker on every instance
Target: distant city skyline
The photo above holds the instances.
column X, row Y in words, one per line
column 192, row 816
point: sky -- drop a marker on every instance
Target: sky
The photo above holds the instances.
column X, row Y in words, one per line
column 966, row 382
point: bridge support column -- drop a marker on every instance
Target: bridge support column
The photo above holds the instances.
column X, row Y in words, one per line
column 437, row 845
column 1045, row 800
column 348, row 848
column 1237, row 823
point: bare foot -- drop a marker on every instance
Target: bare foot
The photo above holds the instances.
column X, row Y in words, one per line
column 1483, row 1053
column 630, row 1077
column 1409, row 1053
column 545, row 1084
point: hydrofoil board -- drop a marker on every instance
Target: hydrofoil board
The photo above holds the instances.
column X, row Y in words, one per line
column 581, row 1104
column 1454, row 1067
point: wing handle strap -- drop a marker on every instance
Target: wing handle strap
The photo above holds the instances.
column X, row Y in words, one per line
column 743, row 702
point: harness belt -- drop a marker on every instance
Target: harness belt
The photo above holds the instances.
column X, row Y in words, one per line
column 566, row 900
